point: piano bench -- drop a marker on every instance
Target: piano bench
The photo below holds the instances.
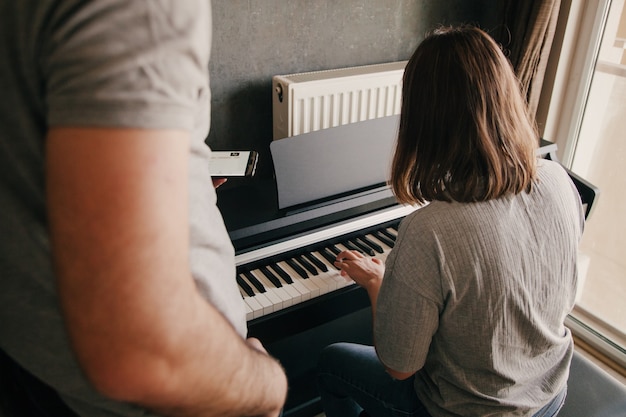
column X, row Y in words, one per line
column 592, row 392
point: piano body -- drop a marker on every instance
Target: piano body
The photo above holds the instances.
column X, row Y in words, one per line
column 329, row 194
column 298, row 317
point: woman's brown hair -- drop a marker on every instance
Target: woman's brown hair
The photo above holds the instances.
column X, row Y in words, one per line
column 465, row 134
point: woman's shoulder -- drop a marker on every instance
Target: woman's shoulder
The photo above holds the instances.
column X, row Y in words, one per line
column 547, row 167
column 551, row 174
column 432, row 216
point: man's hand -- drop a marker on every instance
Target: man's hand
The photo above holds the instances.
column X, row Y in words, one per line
column 218, row 181
column 256, row 344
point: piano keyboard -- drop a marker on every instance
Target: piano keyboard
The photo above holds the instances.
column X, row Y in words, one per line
column 272, row 279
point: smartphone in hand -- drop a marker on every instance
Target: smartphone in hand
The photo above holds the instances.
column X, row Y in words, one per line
column 233, row 164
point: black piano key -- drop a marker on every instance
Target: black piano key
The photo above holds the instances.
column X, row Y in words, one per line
column 257, row 284
column 306, row 264
column 363, row 247
column 380, row 236
column 387, row 234
column 244, row 286
column 334, row 249
column 315, row 261
column 328, row 255
column 273, row 278
column 394, row 227
column 281, row 273
column 350, row 246
column 372, row 244
column 296, row 267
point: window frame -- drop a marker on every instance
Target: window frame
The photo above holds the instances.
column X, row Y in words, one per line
column 565, row 92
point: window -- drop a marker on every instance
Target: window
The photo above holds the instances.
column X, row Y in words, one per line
column 587, row 119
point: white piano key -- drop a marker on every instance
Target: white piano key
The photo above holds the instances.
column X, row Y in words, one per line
column 254, row 305
column 249, row 310
column 333, row 272
column 272, row 296
column 320, row 281
column 296, row 296
column 268, row 306
column 305, row 292
column 329, row 281
column 314, row 290
column 312, row 287
column 324, row 279
column 279, row 296
column 287, row 294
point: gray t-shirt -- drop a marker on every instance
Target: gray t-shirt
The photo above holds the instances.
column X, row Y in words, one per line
column 475, row 297
column 106, row 63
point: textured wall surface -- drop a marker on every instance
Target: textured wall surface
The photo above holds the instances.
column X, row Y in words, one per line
column 256, row 39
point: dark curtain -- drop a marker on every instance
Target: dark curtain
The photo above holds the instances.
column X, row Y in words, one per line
column 527, row 33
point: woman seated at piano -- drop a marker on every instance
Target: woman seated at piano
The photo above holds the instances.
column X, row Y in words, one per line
column 469, row 307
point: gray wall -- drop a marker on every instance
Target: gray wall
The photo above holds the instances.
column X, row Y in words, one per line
column 256, row 39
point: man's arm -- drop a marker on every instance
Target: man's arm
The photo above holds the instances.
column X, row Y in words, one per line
column 118, row 207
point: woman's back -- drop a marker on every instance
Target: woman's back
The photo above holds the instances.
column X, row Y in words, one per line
column 492, row 282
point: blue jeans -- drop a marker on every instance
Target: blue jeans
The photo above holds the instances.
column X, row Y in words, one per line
column 351, row 380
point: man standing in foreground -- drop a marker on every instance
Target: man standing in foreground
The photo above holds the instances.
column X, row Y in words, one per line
column 111, row 240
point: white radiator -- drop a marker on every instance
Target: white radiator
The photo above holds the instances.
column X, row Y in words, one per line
column 311, row 101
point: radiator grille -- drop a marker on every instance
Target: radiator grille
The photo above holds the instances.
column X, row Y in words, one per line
column 307, row 102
